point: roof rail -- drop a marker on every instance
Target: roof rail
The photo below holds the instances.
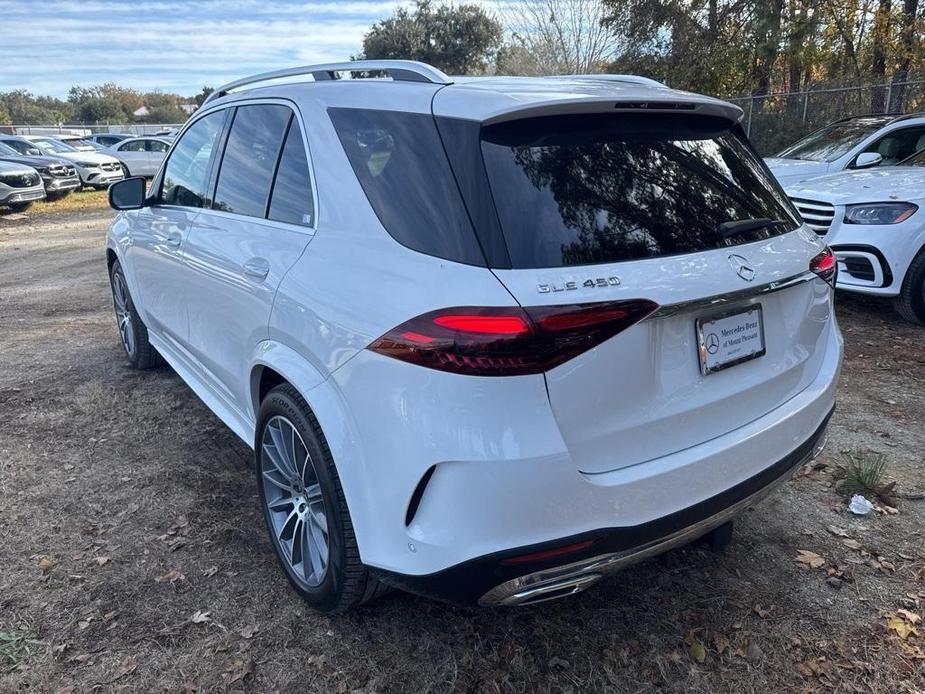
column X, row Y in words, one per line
column 398, row 70
column 633, row 79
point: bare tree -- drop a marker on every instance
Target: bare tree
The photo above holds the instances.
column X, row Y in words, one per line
column 556, row 37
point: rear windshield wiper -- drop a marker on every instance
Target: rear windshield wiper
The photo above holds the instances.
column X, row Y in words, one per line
column 743, row 226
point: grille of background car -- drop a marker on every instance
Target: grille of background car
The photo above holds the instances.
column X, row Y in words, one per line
column 110, row 166
column 62, row 171
column 818, row 215
column 20, row 180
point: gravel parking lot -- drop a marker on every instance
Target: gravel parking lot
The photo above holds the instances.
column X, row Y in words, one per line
column 134, row 557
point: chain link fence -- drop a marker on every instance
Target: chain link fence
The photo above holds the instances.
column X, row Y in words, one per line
column 128, row 129
column 776, row 120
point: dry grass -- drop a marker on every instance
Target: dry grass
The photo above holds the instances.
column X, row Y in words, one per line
column 127, row 508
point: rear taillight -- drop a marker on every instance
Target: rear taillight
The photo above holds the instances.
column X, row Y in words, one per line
column 508, row 341
column 825, row 265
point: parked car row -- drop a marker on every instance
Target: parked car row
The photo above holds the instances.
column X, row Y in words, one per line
column 37, row 167
column 859, row 183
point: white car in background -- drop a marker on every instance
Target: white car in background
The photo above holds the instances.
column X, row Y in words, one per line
column 140, row 156
column 873, row 221
column 95, row 170
column 858, row 142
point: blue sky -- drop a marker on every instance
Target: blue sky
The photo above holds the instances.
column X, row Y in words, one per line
column 48, row 45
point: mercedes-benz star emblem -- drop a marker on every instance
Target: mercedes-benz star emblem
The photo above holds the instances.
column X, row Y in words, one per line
column 712, row 343
column 742, row 267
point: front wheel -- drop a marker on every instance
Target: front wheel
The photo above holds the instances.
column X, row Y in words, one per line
column 304, row 506
column 20, row 206
column 132, row 330
column 910, row 303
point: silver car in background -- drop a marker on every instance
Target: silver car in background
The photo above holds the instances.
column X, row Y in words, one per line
column 139, row 156
column 20, row 186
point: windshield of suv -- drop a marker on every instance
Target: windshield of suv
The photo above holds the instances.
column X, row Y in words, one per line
column 54, row 146
column 834, row 140
column 577, row 190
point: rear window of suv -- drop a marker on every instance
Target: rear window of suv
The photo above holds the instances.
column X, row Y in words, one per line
column 577, row 190
column 399, row 161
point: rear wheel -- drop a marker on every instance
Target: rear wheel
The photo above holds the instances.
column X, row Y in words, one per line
column 304, row 506
column 910, row 303
column 132, row 330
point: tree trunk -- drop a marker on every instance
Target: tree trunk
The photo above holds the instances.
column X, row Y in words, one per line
column 767, row 48
column 881, row 34
column 906, row 47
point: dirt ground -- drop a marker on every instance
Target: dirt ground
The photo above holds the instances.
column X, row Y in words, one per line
column 133, row 556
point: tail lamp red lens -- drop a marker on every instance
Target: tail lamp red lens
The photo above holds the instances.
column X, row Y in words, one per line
column 825, row 265
column 508, row 341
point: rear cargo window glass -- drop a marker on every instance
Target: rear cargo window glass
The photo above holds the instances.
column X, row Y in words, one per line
column 400, row 163
column 580, row 190
column 291, row 200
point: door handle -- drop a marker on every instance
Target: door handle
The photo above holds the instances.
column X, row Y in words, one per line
column 258, row 268
column 173, row 240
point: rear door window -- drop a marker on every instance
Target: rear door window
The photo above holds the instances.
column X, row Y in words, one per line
column 399, row 161
column 250, row 157
column 579, row 190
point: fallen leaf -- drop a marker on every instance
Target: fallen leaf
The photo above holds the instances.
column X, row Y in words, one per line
column 240, row 668
column 171, row 576
column 810, row 559
column 200, row 617
column 852, row 544
column 910, row 617
column 720, row 642
column 249, row 631
column 901, row 627
column 102, row 561
column 128, row 666
column 45, row 564
column 698, row 652
column 835, row 530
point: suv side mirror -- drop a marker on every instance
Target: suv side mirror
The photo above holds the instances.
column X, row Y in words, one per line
column 127, row 194
column 867, row 159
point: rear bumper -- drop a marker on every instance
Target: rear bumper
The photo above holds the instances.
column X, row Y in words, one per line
column 489, row 581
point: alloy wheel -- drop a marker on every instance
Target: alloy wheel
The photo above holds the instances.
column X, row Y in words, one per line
column 123, row 313
column 293, row 498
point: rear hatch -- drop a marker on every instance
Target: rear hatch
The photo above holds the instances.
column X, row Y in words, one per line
column 677, row 209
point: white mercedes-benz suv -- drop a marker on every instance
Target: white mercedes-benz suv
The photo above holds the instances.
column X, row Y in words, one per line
column 491, row 339
column 873, row 222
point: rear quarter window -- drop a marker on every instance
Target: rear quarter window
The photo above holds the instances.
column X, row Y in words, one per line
column 400, row 163
column 580, row 190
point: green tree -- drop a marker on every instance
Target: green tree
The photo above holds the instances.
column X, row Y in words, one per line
column 458, row 39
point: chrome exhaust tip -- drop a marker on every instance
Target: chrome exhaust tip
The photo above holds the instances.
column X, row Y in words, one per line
column 549, row 591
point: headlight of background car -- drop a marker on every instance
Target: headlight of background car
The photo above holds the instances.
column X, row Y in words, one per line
column 879, row 213
column 87, row 164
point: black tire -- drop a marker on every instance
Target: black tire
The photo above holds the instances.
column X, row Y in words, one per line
column 138, row 350
column 52, row 197
column 346, row 582
column 20, row 206
column 910, row 303
column 125, row 170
